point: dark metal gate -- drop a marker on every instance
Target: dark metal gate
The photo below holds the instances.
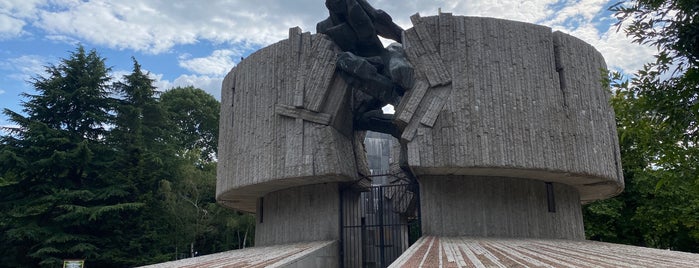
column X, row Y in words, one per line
column 378, row 223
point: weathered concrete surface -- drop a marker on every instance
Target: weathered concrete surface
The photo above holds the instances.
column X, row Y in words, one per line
column 326, row 256
column 302, row 213
column 498, row 207
column 285, row 121
column 504, row 98
column 438, row 252
column 318, row 254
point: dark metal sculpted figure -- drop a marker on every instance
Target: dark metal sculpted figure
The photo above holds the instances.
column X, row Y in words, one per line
column 381, row 74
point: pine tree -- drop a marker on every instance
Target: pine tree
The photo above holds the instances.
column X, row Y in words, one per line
column 144, row 157
column 58, row 197
column 139, row 132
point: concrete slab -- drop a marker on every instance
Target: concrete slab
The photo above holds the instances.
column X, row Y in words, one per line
column 306, row 254
column 435, row 251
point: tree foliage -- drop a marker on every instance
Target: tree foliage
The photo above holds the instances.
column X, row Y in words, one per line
column 110, row 172
column 666, row 88
column 194, row 114
column 657, row 114
column 58, row 195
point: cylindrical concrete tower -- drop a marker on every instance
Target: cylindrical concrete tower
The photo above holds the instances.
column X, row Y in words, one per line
column 508, row 128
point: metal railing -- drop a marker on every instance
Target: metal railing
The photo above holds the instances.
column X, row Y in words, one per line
column 378, row 223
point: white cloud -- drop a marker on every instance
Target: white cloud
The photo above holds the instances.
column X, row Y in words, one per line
column 10, row 27
column 218, row 63
column 210, row 84
column 583, row 11
column 616, row 48
column 29, row 64
column 156, row 26
column 24, row 67
column 582, row 19
column 118, row 75
column 528, row 11
column 15, row 14
column 2, row 92
column 579, row 18
column 63, row 39
column 21, row 8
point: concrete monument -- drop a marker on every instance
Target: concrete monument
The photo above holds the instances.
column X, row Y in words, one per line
column 506, row 126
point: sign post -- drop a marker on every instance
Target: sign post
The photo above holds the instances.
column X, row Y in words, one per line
column 73, row 263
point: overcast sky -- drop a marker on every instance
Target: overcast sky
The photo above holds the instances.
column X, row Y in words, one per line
column 186, row 42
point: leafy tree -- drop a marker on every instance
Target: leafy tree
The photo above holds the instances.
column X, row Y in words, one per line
column 199, row 223
column 667, row 88
column 657, row 113
column 648, row 212
column 194, row 116
column 57, row 198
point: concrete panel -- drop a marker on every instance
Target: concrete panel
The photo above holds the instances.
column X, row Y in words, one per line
column 303, row 213
column 498, row 207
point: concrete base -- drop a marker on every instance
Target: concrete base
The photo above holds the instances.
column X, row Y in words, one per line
column 298, row 214
column 482, row 206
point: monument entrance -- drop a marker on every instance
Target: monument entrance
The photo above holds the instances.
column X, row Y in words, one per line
column 378, row 223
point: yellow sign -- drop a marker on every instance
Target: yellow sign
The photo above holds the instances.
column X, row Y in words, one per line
column 73, row 263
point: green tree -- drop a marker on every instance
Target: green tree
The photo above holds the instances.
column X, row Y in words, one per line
column 666, row 89
column 194, row 116
column 657, row 113
column 142, row 159
column 57, row 197
column 111, row 173
column 200, row 224
column 139, row 129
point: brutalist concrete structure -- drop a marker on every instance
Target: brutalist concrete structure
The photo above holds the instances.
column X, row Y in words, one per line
column 507, row 129
column 505, row 125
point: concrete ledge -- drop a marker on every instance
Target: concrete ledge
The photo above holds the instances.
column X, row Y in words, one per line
column 308, row 254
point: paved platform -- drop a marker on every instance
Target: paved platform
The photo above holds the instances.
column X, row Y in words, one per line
column 434, row 251
column 308, row 254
